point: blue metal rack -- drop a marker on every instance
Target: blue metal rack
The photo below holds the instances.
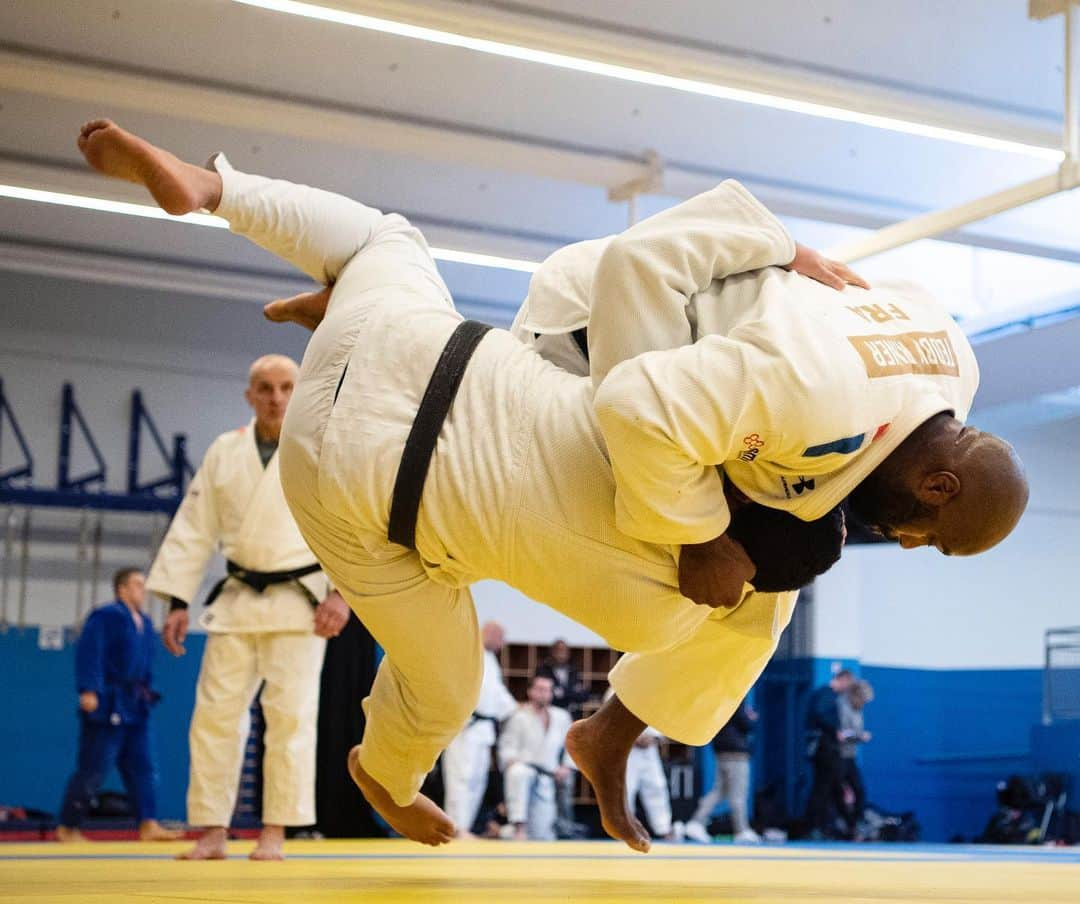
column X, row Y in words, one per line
column 24, row 471
column 88, row 490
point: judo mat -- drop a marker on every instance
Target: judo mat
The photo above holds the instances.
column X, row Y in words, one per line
column 519, row 873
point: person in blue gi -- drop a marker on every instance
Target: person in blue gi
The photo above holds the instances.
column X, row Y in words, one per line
column 113, row 676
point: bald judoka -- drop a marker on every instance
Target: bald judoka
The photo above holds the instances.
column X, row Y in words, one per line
column 521, row 487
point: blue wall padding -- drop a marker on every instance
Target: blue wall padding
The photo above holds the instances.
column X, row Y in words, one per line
column 38, row 755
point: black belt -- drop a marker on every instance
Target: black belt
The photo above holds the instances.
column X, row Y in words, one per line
column 260, row 580
column 420, row 445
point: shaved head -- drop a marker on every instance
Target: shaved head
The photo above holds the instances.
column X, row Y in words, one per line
column 948, row 486
column 271, row 380
column 271, row 362
column 493, row 636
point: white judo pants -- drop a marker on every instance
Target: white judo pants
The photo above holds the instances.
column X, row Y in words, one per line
column 645, row 777
column 530, row 799
column 422, row 696
column 233, row 666
column 466, row 765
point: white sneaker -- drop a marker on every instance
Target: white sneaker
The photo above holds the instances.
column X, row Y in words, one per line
column 748, row 836
column 678, row 831
column 695, row 831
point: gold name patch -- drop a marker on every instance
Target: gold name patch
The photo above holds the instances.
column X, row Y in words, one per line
column 907, row 353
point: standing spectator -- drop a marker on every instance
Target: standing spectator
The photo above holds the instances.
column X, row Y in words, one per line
column 267, row 625
column 853, row 733
column 823, row 748
column 466, row 763
column 732, row 749
column 113, row 677
column 532, row 757
column 569, row 691
column 645, row 777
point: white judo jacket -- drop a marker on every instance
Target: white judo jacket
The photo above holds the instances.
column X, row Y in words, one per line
column 796, row 390
column 237, row 506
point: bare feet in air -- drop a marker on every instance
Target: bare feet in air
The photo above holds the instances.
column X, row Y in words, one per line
column 210, row 846
column 152, row 830
column 67, row 835
column 177, row 187
column 603, row 763
column 307, row 309
column 421, row 821
column 271, row 839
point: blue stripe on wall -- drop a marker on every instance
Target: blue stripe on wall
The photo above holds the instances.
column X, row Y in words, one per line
column 38, row 689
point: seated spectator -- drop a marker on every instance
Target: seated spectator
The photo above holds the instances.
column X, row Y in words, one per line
column 568, row 690
column 532, row 757
column 732, row 749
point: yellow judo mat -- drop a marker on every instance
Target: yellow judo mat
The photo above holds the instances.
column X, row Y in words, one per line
column 518, row 873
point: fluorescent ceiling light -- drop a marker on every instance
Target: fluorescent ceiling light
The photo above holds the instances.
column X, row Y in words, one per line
column 658, row 79
column 204, row 219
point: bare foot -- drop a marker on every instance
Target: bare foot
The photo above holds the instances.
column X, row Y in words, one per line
column 520, row 834
column 152, row 830
column 421, row 821
column 177, row 187
column 603, row 763
column 271, row 838
column 307, row 309
column 464, row 835
column 67, row 835
column 210, row 846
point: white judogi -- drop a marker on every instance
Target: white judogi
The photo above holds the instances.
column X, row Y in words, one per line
column 237, row 505
column 466, row 762
column 520, row 487
column 645, row 777
column 529, row 754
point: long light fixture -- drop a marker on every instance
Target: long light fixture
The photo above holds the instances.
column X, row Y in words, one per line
column 127, row 208
column 646, row 77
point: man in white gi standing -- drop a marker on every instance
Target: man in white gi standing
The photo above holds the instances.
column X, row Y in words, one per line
column 267, row 625
column 620, row 486
column 466, row 762
column 532, row 756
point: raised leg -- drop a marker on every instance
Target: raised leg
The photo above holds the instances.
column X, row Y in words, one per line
column 425, row 689
column 177, row 187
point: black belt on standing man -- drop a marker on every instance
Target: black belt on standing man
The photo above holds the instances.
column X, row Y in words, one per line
column 420, row 445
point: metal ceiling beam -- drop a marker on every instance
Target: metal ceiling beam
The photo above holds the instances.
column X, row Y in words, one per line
column 670, row 58
column 1067, row 177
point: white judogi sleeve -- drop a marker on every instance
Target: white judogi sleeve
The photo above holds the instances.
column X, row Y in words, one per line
column 192, row 538
column 668, row 420
column 647, row 275
column 690, row 690
column 516, row 741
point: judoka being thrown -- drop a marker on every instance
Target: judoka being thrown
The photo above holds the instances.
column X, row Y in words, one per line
column 606, row 504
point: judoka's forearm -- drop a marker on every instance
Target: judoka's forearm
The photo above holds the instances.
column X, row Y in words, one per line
column 648, row 274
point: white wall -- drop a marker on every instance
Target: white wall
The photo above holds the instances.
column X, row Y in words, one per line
column 917, row 608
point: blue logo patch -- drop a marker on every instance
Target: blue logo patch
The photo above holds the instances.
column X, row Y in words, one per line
column 844, row 446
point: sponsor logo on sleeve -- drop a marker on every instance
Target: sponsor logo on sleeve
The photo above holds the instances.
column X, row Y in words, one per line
column 931, row 354
column 800, row 486
column 754, row 444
